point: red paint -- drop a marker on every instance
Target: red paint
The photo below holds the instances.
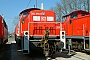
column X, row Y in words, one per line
column 3, row 30
column 36, row 21
column 78, row 26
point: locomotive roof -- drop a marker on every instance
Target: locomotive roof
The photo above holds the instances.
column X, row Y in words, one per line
column 0, row 16
column 30, row 9
column 78, row 11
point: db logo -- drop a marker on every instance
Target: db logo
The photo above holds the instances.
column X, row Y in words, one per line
column 43, row 18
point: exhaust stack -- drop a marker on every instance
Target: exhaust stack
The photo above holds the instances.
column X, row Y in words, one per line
column 42, row 6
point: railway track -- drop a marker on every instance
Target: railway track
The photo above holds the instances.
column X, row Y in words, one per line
column 16, row 53
column 77, row 56
column 11, row 52
column 83, row 56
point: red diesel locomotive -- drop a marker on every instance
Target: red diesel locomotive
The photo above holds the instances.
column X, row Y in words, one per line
column 16, row 32
column 3, row 31
column 39, row 29
column 77, row 28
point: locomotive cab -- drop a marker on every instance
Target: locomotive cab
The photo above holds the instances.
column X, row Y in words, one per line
column 77, row 29
column 42, row 20
column 33, row 25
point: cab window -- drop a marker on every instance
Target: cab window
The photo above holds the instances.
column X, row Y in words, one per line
column 25, row 13
column 74, row 16
column 83, row 14
column 64, row 18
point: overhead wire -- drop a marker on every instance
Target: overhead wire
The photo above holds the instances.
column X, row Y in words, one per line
column 4, row 16
column 28, row 3
column 8, row 17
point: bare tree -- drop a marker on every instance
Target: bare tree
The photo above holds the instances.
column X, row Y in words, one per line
column 64, row 7
column 16, row 20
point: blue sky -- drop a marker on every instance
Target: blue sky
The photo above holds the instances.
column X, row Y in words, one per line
column 11, row 8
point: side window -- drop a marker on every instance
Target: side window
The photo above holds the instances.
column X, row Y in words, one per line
column 74, row 16
column 83, row 14
column 25, row 13
column 64, row 18
column 71, row 16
